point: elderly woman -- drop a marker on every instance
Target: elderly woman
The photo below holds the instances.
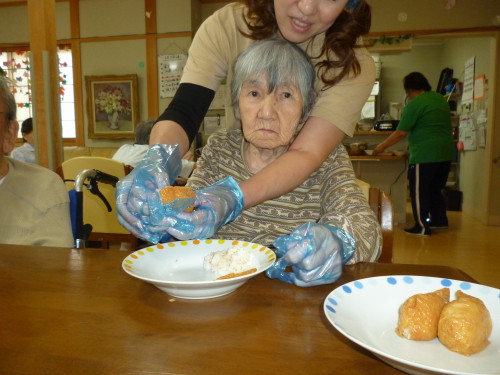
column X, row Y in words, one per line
column 33, row 200
column 325, row 217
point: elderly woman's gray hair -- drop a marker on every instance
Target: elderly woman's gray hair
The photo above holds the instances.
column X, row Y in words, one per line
column 143, row 131
column 282, row 63
column 8, row 98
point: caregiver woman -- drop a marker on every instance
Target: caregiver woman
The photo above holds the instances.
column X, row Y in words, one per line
column 328, row 31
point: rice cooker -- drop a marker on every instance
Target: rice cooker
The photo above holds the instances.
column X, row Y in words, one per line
column 386, row 125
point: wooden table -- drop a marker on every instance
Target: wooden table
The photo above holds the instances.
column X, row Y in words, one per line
column 65, row 311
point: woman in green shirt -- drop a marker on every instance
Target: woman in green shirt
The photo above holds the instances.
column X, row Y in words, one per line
column 426, row 121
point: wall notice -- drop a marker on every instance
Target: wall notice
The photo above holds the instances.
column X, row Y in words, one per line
column 170, row 72
column 468, row 93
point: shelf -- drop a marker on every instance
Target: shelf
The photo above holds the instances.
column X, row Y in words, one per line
column 392, row 48
column 376, row 157
column 376, row 132
column 454, row 95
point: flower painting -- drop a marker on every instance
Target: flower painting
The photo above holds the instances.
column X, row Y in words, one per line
column 112, row 106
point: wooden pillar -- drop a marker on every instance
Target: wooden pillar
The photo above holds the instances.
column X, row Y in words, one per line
column 45, row 83
column 151, row 58
column 74, row 11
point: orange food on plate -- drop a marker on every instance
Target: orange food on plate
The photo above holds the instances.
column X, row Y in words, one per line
column 465, row 325
column 419, row 315
column 237, row 274
column 169, row 193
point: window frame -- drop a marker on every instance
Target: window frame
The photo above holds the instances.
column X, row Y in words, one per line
column 68, row 141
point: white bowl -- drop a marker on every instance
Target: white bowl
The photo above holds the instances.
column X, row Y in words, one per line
column 365, row 128
column 369, row 152
column 177, row 267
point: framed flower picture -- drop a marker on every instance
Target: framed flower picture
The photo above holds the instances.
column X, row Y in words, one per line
column 112, row 106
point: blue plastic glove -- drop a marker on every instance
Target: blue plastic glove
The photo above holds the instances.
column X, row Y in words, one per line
column 316, row 253
column 137, row 193
column 215, row 206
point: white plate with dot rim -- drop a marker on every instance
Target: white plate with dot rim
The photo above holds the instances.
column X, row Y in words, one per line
column 366, row 312
column 177, row 267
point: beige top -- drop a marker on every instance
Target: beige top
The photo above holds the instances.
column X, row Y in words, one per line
column 218, row 43
column 35, row 207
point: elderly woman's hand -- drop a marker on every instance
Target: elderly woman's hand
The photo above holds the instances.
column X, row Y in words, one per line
column 316, row 253
column 137, row 198
column 215, row 206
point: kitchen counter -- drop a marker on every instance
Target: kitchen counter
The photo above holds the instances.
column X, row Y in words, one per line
column 386, row 172
column 377, row 157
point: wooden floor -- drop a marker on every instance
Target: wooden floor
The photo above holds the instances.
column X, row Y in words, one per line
column 467, row 244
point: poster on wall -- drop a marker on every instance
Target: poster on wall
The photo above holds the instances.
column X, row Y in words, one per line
column 170, row 72
column 479, row 87
column 468, row 93
column 467, row 132
column 481, row 122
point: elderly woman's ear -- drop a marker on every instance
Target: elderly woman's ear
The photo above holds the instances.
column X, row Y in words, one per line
column 10, row 136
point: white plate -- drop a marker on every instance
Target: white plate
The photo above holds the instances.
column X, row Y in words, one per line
column 366, row 312
column 399, row 152
column 177, row 267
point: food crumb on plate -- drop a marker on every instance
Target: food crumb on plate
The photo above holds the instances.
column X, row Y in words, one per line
column 233, row 260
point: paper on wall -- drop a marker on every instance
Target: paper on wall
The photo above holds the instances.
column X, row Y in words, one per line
column 468, row 90
column 368, row 110
column 170, row 69
column 467, row 132
column 481, row 121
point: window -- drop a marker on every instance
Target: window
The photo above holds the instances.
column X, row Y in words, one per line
column 17, row 67
column 67, row 93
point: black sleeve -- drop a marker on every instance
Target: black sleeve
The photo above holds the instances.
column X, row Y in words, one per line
column 188, row 107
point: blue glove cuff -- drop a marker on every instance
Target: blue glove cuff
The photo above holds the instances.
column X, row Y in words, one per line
column 306, row 235
column 167, row 157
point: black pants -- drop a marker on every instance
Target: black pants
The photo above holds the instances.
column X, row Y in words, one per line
column 426, row 184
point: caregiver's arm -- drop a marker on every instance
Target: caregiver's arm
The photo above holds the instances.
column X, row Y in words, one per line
column 180, row 122
column 170, row 133
column 394, row 138
column 309, row 150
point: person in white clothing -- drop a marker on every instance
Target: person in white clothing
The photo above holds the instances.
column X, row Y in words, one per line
column 133, row 154
column 26, row 152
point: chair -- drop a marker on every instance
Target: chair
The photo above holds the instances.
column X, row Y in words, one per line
column 381, row 204
column 105, row 226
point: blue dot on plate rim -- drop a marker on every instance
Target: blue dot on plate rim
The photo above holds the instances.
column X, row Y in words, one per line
column 408, row 279
column 346, row 289
column 329, row 307
column 332, row 301
column 392, row 280
column 358, row 284
column 446, row 283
